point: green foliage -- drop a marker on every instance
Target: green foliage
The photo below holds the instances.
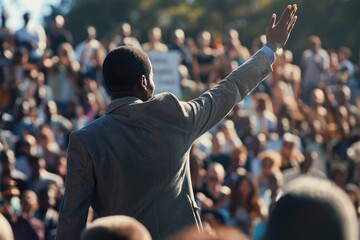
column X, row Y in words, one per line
column 335, row 21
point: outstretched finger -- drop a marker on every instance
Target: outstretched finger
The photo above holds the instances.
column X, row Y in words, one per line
column 294, row 8
column 286, row 14
column 272, row 21
column 292, row 23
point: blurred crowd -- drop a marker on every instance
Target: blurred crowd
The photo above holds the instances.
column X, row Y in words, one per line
column 304, row 119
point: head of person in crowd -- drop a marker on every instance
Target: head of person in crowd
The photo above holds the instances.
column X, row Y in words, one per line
column 217, row 233
column 90, row 33
column 353, row 191
column 215, row 177
column 155, row 34
column 59, row 22
column 270, row 162
column 308, row 161
column 37, row 163
column 238, row 159
column 127, row 71
column 178, row 37
column 289, row 151
column 339, row 174
column 7, row 160
column 244, row 194
column 344, row 53
column 125, row 29
column 117, row 227
column 343, row 95
column 26, row 18
column 6, row 232
column 204, row 39
column 47, row 198
column 314, row 42
column 313, row 209
column 29, row 203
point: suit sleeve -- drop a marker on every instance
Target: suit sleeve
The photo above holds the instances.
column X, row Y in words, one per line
column 212, row 106
column 79, row 187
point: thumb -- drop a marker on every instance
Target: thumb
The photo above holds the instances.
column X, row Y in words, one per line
column 272, row 21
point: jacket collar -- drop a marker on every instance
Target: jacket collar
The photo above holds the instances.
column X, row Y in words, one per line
column 119, row 102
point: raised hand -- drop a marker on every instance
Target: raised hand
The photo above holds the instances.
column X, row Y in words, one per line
column 278, row 34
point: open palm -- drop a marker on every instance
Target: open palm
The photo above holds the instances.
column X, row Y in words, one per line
column 277, row 34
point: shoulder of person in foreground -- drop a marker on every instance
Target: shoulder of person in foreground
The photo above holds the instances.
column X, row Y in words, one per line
column 117, row 227
column 210, row 233
column 6, row 232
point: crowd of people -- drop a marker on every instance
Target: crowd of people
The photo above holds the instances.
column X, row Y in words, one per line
column 303, row 120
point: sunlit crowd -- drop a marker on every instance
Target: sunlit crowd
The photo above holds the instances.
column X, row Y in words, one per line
column 304, row 119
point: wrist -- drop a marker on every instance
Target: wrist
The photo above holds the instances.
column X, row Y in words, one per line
column 273, row 46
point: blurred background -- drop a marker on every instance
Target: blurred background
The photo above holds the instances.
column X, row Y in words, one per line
column 335, row 21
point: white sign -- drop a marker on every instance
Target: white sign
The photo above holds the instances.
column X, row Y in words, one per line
column 166, row 73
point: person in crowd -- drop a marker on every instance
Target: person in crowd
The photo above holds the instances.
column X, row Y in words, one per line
column 306, row 167
column 178, row 44
column 6, row 36
column 244, row 206
column 218, row 153
column 26, row 226
column 89, row 53
column 58, row 123
column 238, row 160
column 265, row 119
column 290, row 153
column 48, row 147
column 154, row 41
column 203, row 60
column 189, row 88
column 140, row 118
column 47, row 212
column 214, row 193
column 314, row 65
column 310, row 209
column 338, row 174
column 270, row 164
column 124, row 38
column 40, row 177
column 255, row 147
column 62, row 76
column 8, row 170
column 58, row 34
column 272, row 194
column 232, row 140
column 32, row 37
column 24, row 148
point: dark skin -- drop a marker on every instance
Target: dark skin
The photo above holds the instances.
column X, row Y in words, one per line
column 277, row 35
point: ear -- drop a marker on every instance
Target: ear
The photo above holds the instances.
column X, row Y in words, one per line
column 143, row 82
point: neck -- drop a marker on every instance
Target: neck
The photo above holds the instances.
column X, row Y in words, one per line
column 125, row 93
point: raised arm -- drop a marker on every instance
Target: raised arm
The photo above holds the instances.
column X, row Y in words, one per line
column 208, row 109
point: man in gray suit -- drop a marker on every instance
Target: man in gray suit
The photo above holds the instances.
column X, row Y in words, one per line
column 134, row 160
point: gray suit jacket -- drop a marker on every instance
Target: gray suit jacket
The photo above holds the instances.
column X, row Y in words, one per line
column 134, row 159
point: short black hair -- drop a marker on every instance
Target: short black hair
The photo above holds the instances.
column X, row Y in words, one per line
column 312, row 209
column 123, row 67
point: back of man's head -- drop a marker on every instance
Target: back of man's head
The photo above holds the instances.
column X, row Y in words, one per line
column 312, row 209
column 116, row 227
column 123, row 68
